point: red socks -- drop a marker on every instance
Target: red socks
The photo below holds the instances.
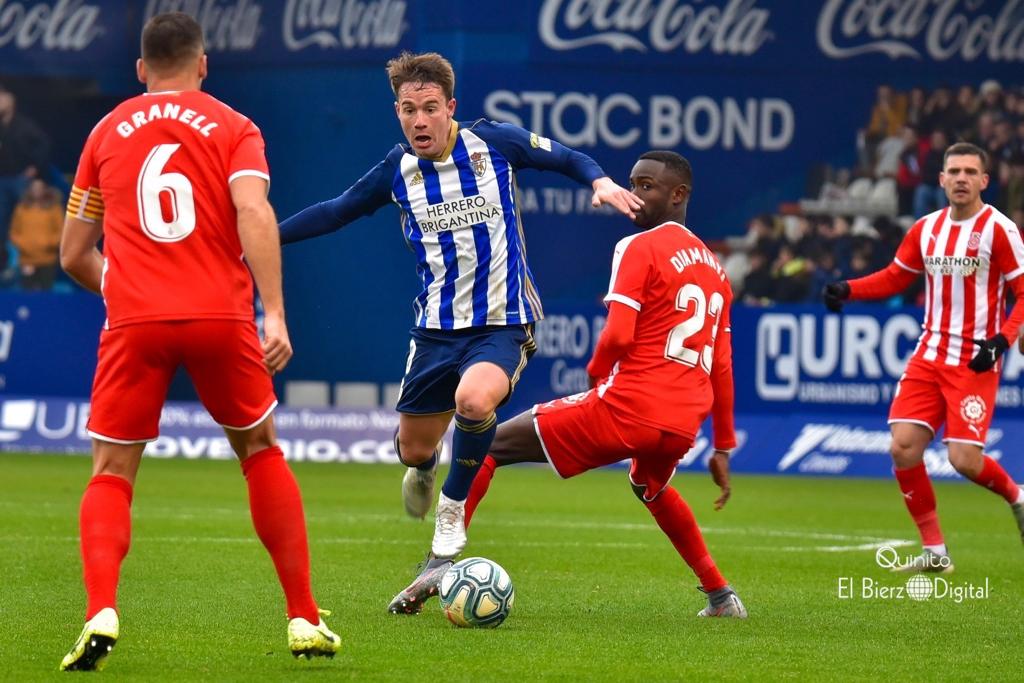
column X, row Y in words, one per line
column 105, row 529
column 995, row 478
column 676, row 519
column 920, row 499
column 481, row 482
column 276, row 506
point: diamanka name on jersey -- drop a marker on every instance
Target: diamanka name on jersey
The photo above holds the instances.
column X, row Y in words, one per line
column 688, row 257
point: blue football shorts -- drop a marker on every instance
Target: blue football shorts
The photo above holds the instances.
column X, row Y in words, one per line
column 438, row 358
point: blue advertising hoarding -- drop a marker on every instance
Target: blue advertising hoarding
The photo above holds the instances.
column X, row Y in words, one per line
column 797, row 443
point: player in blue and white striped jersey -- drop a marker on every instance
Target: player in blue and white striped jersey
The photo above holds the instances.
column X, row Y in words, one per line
column 455, row 185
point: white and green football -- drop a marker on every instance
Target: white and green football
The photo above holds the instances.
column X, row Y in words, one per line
column 476, row 593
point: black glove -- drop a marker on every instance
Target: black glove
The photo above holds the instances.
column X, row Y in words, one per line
column 835, row 294
column 991, row 350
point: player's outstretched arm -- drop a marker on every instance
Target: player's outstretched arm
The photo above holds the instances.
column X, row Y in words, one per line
column 257, row 230
column 79, row 257
column 607, row 191
column 370, row 192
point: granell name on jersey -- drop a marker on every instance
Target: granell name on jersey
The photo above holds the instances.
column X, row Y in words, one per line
column 688, row 257
column 953, row 265
column 458, row 213
column 173, row 112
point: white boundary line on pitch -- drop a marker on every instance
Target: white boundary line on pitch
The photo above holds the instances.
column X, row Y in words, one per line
column 870, row 544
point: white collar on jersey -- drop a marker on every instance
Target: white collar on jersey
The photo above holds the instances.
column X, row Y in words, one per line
column 969, row 218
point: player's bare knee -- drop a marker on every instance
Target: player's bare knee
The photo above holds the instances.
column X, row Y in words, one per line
column 474, row 406
column 246, row 442
column 413, row 454
column 905, row 452
column 966, row 459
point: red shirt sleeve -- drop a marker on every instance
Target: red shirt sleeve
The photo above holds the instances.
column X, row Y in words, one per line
column 86, row 201
column 722, row 419
column 631, row 268
column 1008, row 257
column 248, row 155
column 898, row 275
column 615, row 339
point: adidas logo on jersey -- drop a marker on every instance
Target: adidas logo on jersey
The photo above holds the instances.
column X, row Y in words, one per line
column 417, row 179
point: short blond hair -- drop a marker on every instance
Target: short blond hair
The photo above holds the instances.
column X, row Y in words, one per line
column 428, row 67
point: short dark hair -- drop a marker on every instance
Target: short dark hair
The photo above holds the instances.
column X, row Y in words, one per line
column 673, row 161
column 428, row 67
column 962, row 148
column 171, row 40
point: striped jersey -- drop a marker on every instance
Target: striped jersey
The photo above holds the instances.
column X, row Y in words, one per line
column 460, row 217
column 967, row 265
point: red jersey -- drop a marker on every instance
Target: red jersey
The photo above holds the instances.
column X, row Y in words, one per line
column 967, row 265
column 679, row 366
column 156, row 171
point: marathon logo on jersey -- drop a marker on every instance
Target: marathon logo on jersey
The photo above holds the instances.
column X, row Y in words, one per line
column 965, row 266
column 456, row 214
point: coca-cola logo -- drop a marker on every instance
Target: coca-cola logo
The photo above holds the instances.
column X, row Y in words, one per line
column 64, row 25
column 344, row 24
column 737, row 27
column 227, row 24
column 938, row 29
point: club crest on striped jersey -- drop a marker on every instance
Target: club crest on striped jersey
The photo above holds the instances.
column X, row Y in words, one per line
column 479, row 163
column 972, row 409
column 974, row 241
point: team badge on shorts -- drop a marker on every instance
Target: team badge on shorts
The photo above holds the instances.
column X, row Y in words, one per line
column 479, row 163
column 972, row 409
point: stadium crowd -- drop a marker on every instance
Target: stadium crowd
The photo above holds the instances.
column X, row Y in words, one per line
column 858, row 215
column 31, row 210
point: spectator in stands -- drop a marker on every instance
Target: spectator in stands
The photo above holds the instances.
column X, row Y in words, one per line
column 823, row 270
column 983, row 130
column 35, row 231
column 792, row 275
column 915, row 107
column 890, row 152
column 990, row 95
column 1012, row 198
column 24, row 149
column 967, row 101
column 929, row 195
column 908, row 173
column 941, row 112
column 758, row 285
column 888, row 116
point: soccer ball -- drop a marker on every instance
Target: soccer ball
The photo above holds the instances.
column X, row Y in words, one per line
column 476, row 593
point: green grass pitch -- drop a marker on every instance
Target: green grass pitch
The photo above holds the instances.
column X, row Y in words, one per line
column 601, row 594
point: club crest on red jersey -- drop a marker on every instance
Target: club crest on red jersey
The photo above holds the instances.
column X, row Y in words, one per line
column 974, row 241
column 479, row 163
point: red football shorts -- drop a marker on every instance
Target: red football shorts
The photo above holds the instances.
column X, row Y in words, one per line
column 930, row 394
column 580, row 433
column 137, row 362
